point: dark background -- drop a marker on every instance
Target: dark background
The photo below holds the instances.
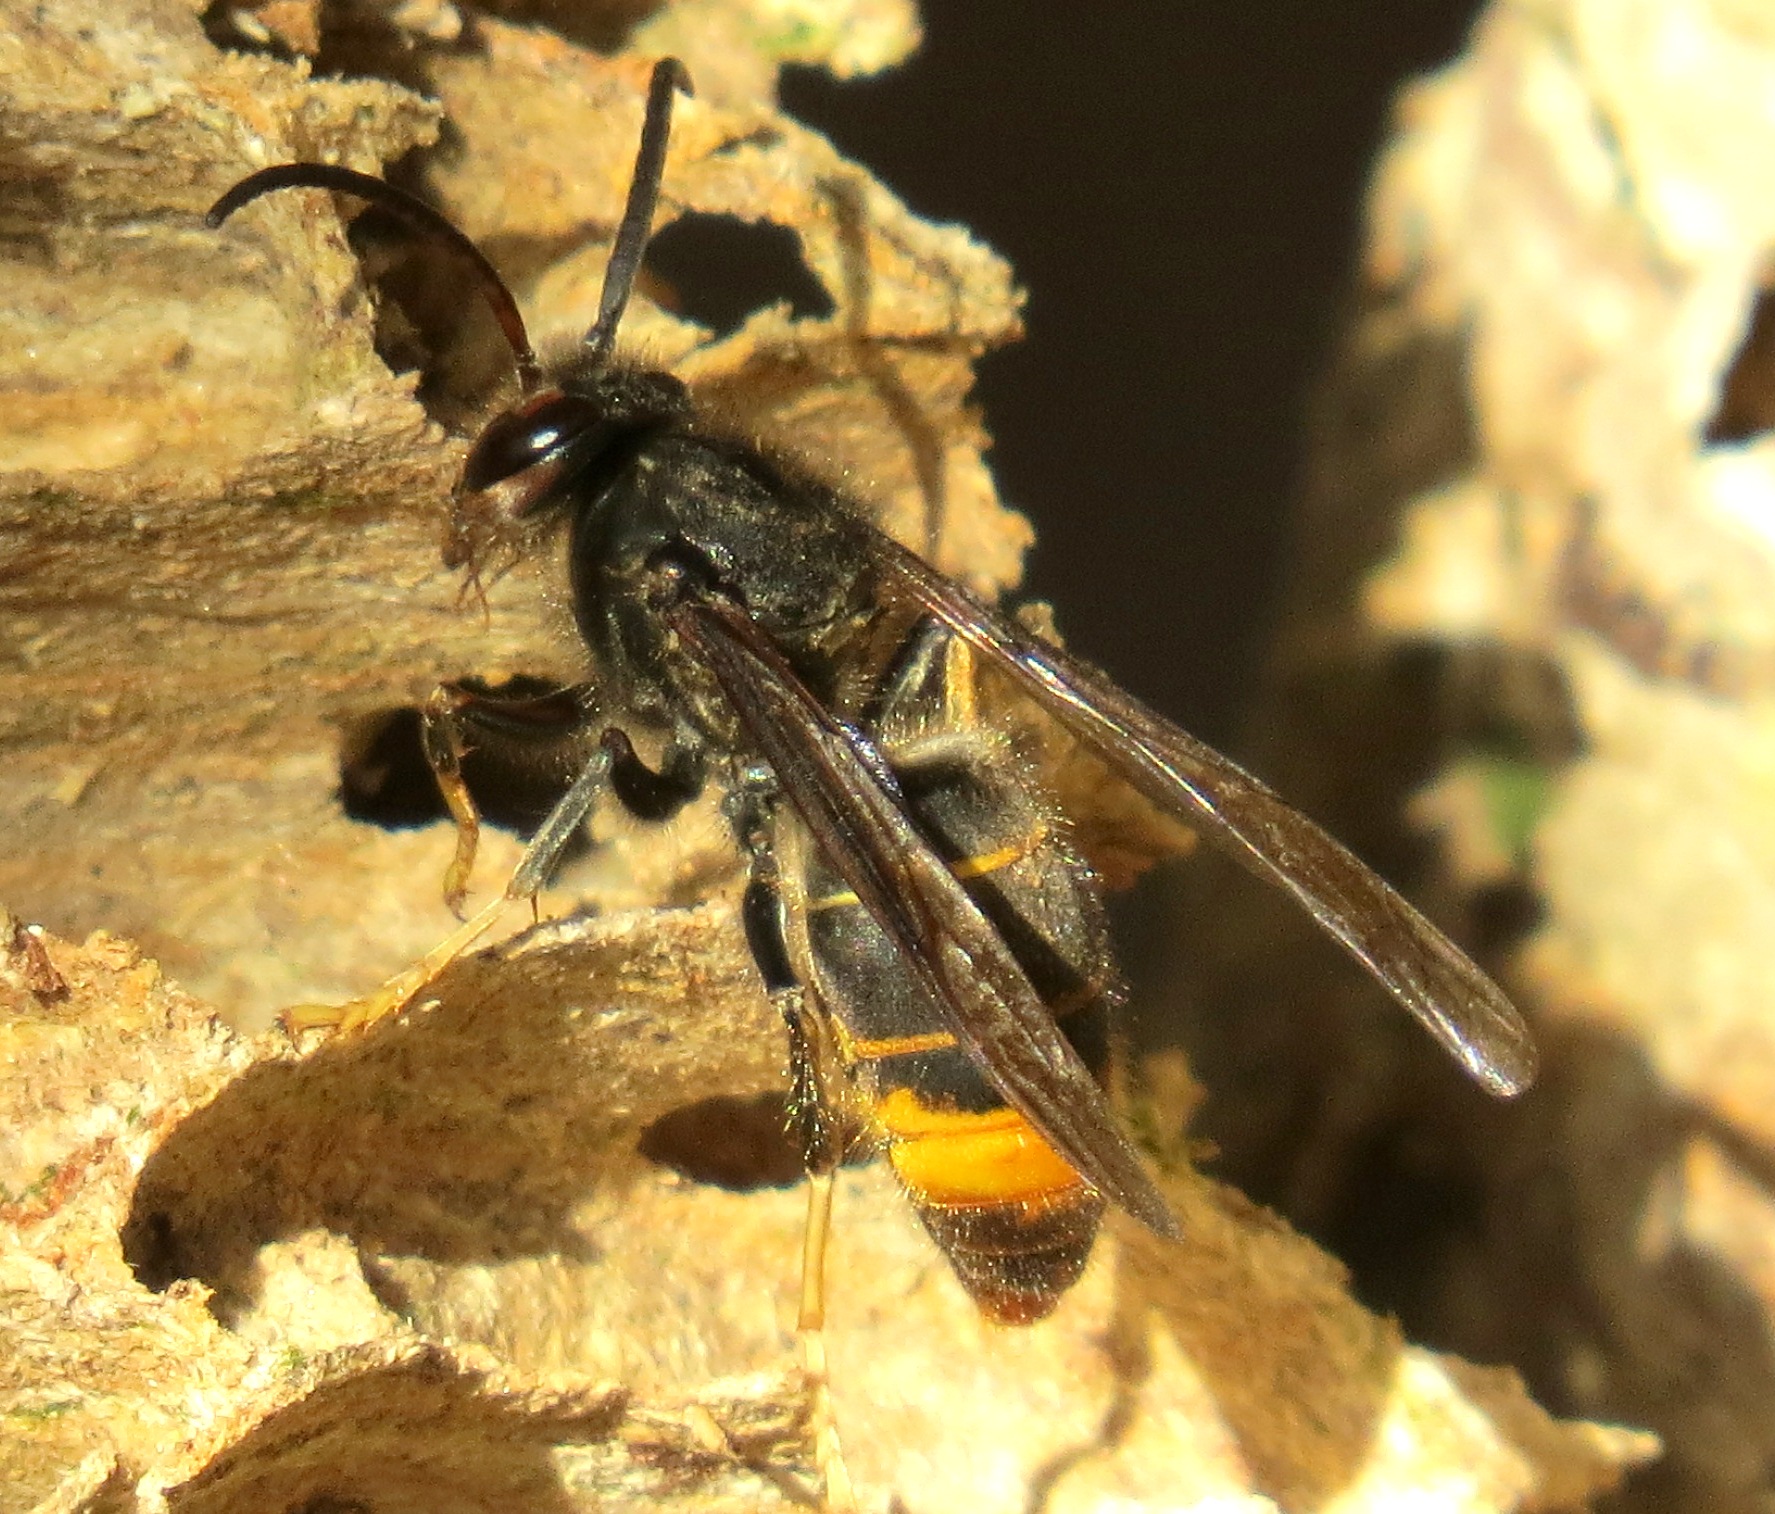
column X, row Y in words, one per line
column 1180, row 188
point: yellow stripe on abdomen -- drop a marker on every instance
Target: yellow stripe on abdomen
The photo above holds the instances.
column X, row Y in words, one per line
column 978, row 866
column 949, row 1157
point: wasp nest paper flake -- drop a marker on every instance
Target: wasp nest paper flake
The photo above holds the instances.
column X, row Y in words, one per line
column 486, row 1255
column 1550, row 426
column 427, row 1268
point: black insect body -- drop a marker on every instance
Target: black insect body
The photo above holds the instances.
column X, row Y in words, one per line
column 936, row 947
column 1014, row 1218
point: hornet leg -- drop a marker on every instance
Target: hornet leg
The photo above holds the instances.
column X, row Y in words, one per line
column 814, row 1123
column 539, row 859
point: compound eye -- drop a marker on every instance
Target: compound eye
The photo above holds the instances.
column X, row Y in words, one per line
column 533, row 433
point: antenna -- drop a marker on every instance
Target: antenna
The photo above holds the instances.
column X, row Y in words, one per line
column 418, row 216
column 669, row 76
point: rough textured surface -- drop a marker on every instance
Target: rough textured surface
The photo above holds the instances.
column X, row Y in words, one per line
column 425, row 1268
column 1552, row 421
column 533, row 1244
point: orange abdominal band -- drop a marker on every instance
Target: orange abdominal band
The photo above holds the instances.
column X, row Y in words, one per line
column 947, row 1157
column 968, row 867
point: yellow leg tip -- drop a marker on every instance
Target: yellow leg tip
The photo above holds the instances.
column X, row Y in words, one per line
column 400, row 991
column 300, row 1017
column 354, row 1014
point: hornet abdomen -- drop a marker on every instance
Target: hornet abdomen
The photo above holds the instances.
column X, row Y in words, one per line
column 1013, row 1217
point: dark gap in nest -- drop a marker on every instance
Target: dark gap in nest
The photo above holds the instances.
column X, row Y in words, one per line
column 602, row 25
column 740, row 1144
column 358, row 41
column 1747, row 392
column 385, row 780
column 430, row 317
column 235, row 28
column 344, row 39
column 719, row 270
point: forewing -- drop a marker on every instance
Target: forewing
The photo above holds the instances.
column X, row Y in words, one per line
column 830, row 775
column 1459, row 1005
